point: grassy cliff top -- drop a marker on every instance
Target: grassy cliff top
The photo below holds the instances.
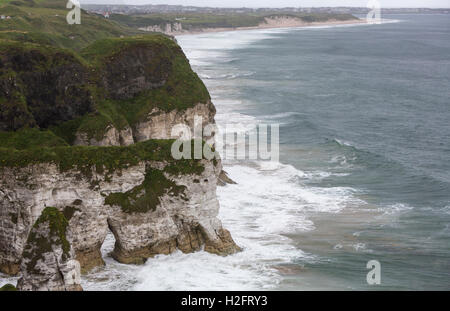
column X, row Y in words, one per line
column 65, row 91
column 103, row 160
column 44, row 22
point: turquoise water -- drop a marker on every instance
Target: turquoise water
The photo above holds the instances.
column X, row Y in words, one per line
column 365, row 130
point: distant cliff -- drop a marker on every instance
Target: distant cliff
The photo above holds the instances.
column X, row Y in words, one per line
column 216, row 20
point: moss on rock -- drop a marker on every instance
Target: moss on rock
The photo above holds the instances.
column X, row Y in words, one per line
column 104, row 160
column 8, row 288
column 146, row 197
column 39, row 243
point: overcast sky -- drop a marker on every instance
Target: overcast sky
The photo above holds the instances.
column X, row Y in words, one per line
column 284, row 3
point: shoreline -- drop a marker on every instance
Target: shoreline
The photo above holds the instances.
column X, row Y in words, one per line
column 293, row 24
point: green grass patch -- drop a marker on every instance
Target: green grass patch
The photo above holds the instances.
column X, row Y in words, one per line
column 147, row 196
column 30, row 138
column 49, row 18
column 104, row 160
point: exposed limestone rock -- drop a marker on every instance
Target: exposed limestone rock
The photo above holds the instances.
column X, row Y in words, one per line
column 189, row 215
column 159, row 124
column 224, row 179
column 48, row 262
column 185, row 222
column 150, row 208
column 282, row 21
column 26, row 191
column 112, row 137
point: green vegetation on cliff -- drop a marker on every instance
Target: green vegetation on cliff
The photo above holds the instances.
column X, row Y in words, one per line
column 30, row 138
column 67, row 80
column 146, row 196
column 40, row 242
column 105, row 160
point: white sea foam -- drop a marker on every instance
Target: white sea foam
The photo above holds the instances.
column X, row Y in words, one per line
column 281, row 115
column 264, row 205
column 395, row 209
column 270, row 200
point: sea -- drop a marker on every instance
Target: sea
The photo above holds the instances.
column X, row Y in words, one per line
column 364, row 167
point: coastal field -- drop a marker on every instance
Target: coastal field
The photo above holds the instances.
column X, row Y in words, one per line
column 191, row 23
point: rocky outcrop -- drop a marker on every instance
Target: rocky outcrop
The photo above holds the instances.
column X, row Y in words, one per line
column 282, row 21
column 224, row 179
column 159, row 123
column 152, row 207
column 103, row 96
column 138, row 89
column 48, row 262
column 185, row 222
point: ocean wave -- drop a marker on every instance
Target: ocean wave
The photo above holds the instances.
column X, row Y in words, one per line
column 112, row 276
column 266, row 204
column 317, row 175
column 228, row 76
column 395, row 208
column 281, row 115
column 342, row 142
column 446, row 210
